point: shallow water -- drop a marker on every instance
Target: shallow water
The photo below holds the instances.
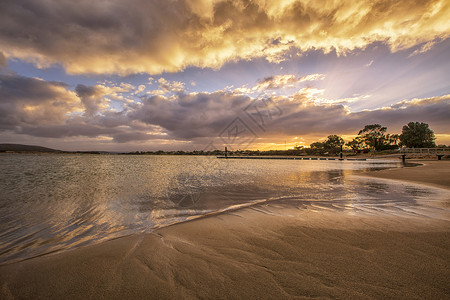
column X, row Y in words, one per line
column 54, row 202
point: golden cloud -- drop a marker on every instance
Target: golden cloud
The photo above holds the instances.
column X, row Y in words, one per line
column 285, row 81
column 155, row 36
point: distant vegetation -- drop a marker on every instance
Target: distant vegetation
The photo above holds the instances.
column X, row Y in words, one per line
column 374, row 137
column 25, row 148
column 19, row 148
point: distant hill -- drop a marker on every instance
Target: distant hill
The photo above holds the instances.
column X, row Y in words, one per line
column 25, row 148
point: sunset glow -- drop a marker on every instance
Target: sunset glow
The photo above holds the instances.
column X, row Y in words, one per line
column 149, row 75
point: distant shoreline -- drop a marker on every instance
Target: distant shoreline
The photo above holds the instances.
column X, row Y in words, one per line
column 346, row 156
column 33, row 149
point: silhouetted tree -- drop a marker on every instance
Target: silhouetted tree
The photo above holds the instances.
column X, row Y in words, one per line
column 417, row 135
column 356, row 144
column 331, row 145
column 375, row 136
column 317, row 148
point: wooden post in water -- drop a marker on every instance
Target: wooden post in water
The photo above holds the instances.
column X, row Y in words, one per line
column 403, row 158
column 226, row 152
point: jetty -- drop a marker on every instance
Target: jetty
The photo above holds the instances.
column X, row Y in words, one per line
column 417, row 152
column 290, row 157
column 402, row 153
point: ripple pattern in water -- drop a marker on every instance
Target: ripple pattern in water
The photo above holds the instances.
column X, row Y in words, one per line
column 54, row 202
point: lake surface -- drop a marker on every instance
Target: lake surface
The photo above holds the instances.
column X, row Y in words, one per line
column 55, row 202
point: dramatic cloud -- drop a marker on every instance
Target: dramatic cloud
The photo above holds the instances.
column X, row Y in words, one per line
column 301, row 117
column 191, row 116
column 167, row 87
column 92, row 98
column 277, row 82
column 285, row 81
column 34, row 101
column 154, row 36
column 207, row 115
column 37, row 108
column 426, row 47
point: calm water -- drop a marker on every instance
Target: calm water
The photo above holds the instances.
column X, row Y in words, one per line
column 54, row 202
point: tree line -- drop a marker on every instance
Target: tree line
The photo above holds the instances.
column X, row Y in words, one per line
column 374, row 137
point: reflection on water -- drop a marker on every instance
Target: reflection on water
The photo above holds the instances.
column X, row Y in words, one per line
column 54, row 202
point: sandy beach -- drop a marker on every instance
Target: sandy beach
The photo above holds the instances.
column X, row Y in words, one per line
column 250, row 254
column 431, row 172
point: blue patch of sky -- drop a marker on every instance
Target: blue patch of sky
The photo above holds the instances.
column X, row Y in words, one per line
column 391, row 77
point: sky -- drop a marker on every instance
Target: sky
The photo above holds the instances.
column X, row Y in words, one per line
column 142, row 75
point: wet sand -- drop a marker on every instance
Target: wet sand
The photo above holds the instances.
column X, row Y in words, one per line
column 431, row 172
column 251, row 254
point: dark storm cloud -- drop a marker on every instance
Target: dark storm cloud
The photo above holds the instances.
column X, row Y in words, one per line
column 125, row 137
column 434, row 110
column 193, row 115
column 206, row 115
column 118, row 36
column 307, row 119
column 69, row 129
column 32, row 101
column 49, row 109
column 76, row 129
column 19, row 88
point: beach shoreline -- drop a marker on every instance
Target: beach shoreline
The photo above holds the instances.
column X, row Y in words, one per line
column 252, row 254
column 434, row 173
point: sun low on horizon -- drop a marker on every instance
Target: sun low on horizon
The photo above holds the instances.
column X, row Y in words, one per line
column 201, row 75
